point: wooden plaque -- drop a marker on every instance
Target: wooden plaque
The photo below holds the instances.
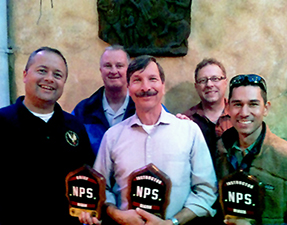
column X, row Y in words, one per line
column 85, row 190
column 149, row 189
column 241, row 195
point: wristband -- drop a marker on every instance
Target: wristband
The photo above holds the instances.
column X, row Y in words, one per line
column 174, row 221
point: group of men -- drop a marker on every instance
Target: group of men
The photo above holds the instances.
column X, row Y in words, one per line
column 125, row 128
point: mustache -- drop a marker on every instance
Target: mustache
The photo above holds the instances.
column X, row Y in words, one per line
column 146, row 93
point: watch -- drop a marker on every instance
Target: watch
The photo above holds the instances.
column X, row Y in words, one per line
column 174, row 221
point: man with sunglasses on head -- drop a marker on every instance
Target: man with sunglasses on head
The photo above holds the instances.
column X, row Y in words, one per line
column 251, row 147
column 210, row 114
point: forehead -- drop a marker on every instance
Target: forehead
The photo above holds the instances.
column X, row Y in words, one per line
column 49, row 59
column 151, row 69
column 246, row 93
column 210, row 70
column 114, row 56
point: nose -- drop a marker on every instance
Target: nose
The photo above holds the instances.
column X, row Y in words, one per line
column 114, row 69
column 145, row 85
column 209, row 83
column 244, row 110
column 49, row 77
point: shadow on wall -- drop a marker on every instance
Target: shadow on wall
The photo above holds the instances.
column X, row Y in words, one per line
column 181, row 97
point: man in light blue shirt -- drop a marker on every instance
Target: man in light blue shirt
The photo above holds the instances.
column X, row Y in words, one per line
column 152, row 135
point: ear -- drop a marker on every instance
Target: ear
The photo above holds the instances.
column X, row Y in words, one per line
column 25, row 76
column 267, row 106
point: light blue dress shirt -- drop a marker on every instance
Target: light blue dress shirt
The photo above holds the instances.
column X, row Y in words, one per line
column 177, row 147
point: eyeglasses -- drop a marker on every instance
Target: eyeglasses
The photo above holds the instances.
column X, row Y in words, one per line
column 204, row 80
column 246, row 79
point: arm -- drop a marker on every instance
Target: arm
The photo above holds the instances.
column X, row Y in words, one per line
column 203, row 179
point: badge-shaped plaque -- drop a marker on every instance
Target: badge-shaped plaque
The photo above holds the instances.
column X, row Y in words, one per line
column 149, row 189
column 241, row 195
column 85, row 190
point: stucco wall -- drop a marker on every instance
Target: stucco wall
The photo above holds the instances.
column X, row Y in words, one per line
column 247, row 36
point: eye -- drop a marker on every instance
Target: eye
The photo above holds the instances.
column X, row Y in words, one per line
column 153, row 79
column 202, row 81
column 42, row 71
column 214, row 79
column 136, row 79
column 237, row 104
column 254, row 104
column 58, row 75
column 120, row 66
column 107, row 65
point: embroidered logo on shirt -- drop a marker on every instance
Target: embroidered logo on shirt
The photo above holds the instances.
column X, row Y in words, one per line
column 72, row 138
column 269, row 187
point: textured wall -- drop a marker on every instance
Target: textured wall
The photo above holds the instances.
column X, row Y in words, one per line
column 247, row 36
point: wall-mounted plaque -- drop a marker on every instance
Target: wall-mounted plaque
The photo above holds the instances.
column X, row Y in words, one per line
column 154, row 27
column 149, row 188
column 242, row 195
column 85, row 190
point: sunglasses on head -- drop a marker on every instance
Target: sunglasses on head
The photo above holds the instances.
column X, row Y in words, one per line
column 245, row 79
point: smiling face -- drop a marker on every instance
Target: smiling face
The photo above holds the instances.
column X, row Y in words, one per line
column 211, row 92
column 44, row 81
column 113, row 67
column 147, row 89
column 247, row 110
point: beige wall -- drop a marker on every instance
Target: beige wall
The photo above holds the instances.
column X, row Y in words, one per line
column 247, row 36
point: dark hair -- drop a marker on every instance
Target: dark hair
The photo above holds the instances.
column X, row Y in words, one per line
column 208, row 61
column 114, row 48
column 47, row 49
column 248, row 80
column 140, row 63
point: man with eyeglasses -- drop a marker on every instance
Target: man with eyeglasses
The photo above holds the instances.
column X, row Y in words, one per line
column 210, row 114
column 251, row 147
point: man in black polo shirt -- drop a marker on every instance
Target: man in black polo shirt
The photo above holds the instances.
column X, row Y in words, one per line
column 41, row 144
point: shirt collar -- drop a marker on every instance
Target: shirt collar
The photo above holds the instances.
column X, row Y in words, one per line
column 163, row 119
column 198, row 109
column 247, row 150
column 107, row 107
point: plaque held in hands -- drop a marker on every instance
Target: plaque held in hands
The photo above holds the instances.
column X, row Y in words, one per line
column 149, row 188
column 85, row 190
column 241, row 195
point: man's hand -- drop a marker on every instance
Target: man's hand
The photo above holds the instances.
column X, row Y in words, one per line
column 151, row 219
column 86, row 218
column 182, row 116
column 128, row 217
column 233, row 220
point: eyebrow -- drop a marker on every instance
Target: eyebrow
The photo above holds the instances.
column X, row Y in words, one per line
column 251, row 100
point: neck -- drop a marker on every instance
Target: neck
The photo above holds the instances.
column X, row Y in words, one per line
column 213, row 110
column 116, row 98
column 149, row 117
column 246, row 140
column 39, row 106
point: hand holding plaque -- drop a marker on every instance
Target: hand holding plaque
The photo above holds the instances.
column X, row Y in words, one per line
column 149, row 189
column 85, row 190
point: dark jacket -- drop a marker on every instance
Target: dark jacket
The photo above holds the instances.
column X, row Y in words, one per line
column 35, row 159
column 91, row 113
